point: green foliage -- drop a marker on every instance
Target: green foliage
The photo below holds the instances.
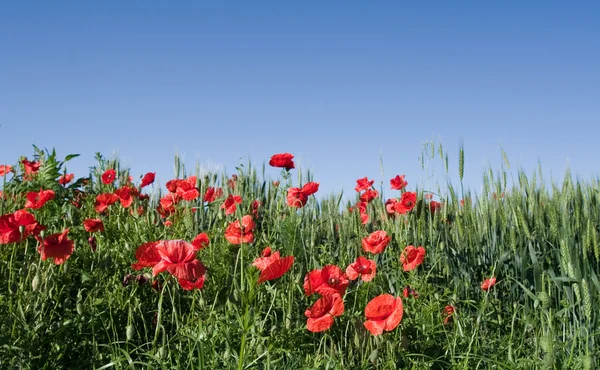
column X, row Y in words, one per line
column 96, row 311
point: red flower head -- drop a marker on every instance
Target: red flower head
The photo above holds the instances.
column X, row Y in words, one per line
column 383, row 312
column 10, row 225
column 104, row 200
column 185, row 189
column 363, row 184
column 448, row 312
column 321, row 314
column 271, row 266
column 366, row 268
column 255, row 206
column 147, row 255
column 412, row 257
column 328, row 280
column 369, row 195
column 407, row 202
column 398, row 183
column 212, row 194
column 56, row 246
column 5, row 169
column 283, row 160
column 93, row 225
column 230, row 204
column 390, row 205
column 109, row 176
column 237, row 234
column 434, row 206
column 297, row 197
column 66, row 178
column 376, row 242
column 488, row 283
column 37, row 200
column 201, row 241
column 178, row 257
column 124, row 194
column 30, row 167
column 148, row 179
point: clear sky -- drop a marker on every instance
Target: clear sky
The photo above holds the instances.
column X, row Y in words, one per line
column 338, row 84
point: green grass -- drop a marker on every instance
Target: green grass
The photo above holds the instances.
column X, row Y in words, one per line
column 540, row 240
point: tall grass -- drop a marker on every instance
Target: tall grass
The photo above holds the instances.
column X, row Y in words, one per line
column 540, row 240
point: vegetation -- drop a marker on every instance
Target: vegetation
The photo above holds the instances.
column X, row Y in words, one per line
column 505, row 279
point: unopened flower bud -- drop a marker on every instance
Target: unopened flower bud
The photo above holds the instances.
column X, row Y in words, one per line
column 92, row 243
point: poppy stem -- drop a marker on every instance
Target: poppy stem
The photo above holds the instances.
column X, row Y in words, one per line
column 159, row 314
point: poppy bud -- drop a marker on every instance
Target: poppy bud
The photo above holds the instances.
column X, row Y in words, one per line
column 129, row 332
column 126, row 279
column 92, row 243
column 35, row 283
column 141, row 280
column 79, row 309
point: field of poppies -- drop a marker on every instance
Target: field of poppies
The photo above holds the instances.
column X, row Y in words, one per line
column 258, row 270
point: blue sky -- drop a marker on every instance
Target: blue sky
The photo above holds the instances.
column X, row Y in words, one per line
column 338, row 84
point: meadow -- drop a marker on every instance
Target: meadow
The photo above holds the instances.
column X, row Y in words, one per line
column 245, row 271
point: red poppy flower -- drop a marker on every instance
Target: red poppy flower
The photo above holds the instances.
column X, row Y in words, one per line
column 448, row 312
column 147, row 255
column 267, row 257
column 376, row 242
column 383, row 313
column 369, row 195
column 398, row 183
column 93, row 225
column 109, row 176
column 255, row 206
column 185, row 189
column 148, row 179
column 175, row 255
column 361, row 206
column 124, row 194
column 201, row 241
column 412, row 257
column 197, row 271
column 66, row 178
column 237, row 234
column 212, row 194
column 328, row 280
column 5, row 169
column 297, row 197
column 434, row 206
column 364, row 218
column 364, row 267
column 282, row 160
column 409, row 292
column 37, row 200
column 56, row 246
column 30, row 167
column 230, row 204
column 167, row 204
column 390, row 206
column 10, row 225
column 168, row 223
column 407, row 202
column 322, row 313
column 363, row 184
column 104, row 200
column 488, row 283
column 272, row 266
